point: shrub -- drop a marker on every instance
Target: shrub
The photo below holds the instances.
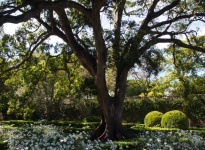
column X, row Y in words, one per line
column 3, row 145
column 91, row 119
column 175, row 119
column 153, row 118
column 195, row 108
column 145, row 106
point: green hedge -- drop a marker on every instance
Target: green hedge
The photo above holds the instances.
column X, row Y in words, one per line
column 153, row 118
column 175, row 119
column 136, row 108
column 3, row 145
column 92, row 119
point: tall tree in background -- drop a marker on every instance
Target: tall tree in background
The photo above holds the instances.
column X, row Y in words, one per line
column 103, row 34
column 42, row 84
column 188, row 65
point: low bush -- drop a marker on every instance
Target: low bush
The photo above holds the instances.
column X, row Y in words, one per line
column 3, row 145
column 92, row 119
column 175, row 119
column 195, row 109
column 153, row 118
column 17, row 123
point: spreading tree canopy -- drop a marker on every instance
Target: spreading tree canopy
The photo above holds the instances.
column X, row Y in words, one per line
column 102, row 34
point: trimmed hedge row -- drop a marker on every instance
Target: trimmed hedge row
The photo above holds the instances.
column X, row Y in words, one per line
column 135, row 109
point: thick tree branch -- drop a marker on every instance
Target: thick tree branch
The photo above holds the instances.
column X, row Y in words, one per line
column 176, row 19
column 87, row 60
column 98, row 4
column 166, row 8
column 9, row 9
column 19, row 18
column 180, row 44
column 53, row 29
column 150, row 15
column 38, row 7
column 66, row 4
column 171, row 34
column 117, row 28
column 143, row 30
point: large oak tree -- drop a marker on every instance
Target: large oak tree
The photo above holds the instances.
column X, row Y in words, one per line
column 104, row 34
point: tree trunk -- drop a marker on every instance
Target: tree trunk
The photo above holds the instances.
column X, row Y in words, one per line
column 111, row 126
column 112, row 107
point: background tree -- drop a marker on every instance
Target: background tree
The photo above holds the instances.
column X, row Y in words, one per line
column 6, row 93
column 99, row 46
column 42, row 82
column 187, row 66
column 133, row 88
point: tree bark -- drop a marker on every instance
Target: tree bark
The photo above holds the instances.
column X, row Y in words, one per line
column 111, row 126
column 111, row 107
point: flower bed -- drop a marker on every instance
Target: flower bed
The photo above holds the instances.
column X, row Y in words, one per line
column 39, row 137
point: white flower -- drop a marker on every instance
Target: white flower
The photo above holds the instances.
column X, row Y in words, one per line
column 158, row 140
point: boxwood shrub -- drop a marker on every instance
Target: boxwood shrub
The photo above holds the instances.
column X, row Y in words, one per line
column 175, row 119
column 153, row 118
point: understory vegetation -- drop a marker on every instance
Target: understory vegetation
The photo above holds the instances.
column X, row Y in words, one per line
column 83, row 108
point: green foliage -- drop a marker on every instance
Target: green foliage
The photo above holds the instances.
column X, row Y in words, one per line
column 175, row 119
column 3, row 145
column 161, row 104
column 88, row 87
column 147, row 106
column 92, row 119
column 42, row 84
column 184, row 67
column 134, row 87
column 6, row 93
column 152, row 61
column 139, row 106
column 195, row 108
column 153, row 118
column 16, row 123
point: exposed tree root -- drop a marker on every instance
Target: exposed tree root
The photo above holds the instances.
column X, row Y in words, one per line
column 118, row 133
column 99, row 130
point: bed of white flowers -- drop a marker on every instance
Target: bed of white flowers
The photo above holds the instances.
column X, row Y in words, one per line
column 48, row 137
column 172, row 140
